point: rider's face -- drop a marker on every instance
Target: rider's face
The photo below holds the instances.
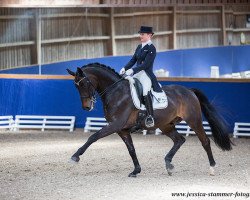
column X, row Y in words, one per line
column 144, row 37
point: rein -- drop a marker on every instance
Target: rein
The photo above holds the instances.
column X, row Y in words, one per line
column 93, row 98
column 109, row 87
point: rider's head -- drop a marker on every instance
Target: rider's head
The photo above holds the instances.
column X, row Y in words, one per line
column 146, row 33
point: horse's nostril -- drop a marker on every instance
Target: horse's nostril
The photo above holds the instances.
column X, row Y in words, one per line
column 86, row 108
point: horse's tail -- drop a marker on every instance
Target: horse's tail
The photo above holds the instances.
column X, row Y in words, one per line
column 216, row 122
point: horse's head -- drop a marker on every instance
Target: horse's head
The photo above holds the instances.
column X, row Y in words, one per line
column 85, row 87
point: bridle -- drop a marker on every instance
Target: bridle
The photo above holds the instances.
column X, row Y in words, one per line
column 92, row 93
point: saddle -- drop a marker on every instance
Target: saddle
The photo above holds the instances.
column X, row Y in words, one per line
column 159, row 100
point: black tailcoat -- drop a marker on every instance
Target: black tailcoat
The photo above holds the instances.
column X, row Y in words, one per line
column 144, row 59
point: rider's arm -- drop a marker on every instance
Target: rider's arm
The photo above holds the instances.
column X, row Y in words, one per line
column 133, row 60
column 148, row 62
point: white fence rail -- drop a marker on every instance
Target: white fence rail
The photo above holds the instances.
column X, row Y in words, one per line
column 6, row 122
column 44, row 122
column 241, row 129
column 183, row 128
column 96, row 123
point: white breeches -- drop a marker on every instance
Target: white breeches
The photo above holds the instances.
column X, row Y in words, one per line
column 145, row 81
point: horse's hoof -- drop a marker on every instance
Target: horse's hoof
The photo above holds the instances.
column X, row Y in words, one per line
column 132, row 175
column 170, row 173
column 72, row 162
column 74, row 159
column 170, row 168
column 211, row 171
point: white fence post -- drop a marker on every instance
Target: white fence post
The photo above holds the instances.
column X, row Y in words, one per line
column 72, row 124
column 44, row 122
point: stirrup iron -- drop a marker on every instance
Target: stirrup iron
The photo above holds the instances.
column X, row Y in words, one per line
column 147, row 124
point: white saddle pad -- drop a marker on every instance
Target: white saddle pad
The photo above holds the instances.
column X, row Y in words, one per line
column 159, row 100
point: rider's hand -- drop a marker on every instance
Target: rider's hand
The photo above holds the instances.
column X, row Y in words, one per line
column 129, row 72
column 122, row 71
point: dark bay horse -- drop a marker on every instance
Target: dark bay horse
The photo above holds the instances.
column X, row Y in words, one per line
column 121, row 114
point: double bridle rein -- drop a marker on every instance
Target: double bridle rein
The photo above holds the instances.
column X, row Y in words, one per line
column 90, row 84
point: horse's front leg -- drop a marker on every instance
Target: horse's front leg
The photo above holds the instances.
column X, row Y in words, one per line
column 127, row 139
column 105, row 131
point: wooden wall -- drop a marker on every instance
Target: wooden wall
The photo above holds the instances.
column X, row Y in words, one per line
column 113, row 3
column 31, row 36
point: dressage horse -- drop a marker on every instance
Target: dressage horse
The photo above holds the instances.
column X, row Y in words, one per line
column 121, row 114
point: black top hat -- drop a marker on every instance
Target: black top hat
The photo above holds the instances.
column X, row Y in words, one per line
column 146, row 29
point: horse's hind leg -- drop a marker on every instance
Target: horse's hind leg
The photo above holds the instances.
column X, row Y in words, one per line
column 178, row 141
column 197, row 127
column 127, row 139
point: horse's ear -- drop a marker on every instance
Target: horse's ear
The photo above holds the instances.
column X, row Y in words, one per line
column 79, row 71
column 71, row 73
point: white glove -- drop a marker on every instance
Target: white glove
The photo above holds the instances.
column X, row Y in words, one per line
column 129, row 72
column 122, row 71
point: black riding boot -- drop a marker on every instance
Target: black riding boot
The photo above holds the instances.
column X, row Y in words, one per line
column 149, row 121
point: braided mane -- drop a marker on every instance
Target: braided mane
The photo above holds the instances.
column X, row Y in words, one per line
column 102, row 66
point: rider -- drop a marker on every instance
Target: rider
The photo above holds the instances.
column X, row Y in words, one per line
column 144, row 58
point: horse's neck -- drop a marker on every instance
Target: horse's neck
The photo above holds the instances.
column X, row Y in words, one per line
column 104, row 79
column 104, row 84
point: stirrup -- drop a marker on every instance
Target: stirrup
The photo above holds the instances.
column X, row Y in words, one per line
column 149, row 124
